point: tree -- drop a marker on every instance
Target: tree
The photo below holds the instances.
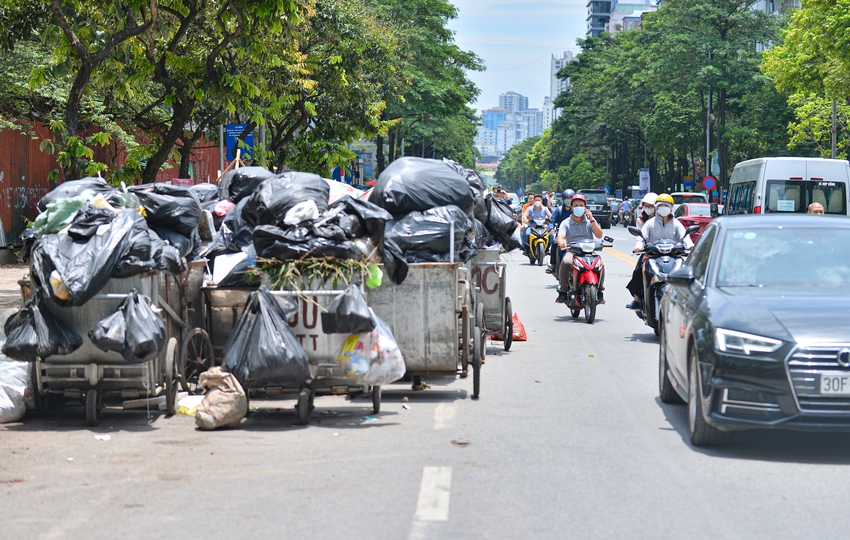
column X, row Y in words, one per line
column 513, row 171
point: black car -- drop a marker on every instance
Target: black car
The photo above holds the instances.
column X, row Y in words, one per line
column 597, row 203
column 755, row 328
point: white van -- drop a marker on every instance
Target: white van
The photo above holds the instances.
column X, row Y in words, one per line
column 788, row 185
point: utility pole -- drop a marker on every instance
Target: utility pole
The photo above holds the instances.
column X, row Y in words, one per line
column 708, row 130
column 834, row 128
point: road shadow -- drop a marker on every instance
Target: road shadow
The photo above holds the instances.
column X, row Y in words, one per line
column 285, row 417
column 71, row 416
column 649, row 337
column 568, row 318
column 777, row 445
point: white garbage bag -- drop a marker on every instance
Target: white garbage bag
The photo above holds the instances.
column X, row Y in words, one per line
column 225, row 404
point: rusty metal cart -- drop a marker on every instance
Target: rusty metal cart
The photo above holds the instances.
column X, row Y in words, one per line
column 494, row 307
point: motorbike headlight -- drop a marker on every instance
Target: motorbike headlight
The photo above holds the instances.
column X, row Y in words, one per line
column 740, row 342
column 587, row 247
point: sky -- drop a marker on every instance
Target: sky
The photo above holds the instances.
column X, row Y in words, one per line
column 516, row 41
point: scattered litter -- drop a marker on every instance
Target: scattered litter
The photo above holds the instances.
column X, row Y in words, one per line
column 406, row 406
column 539, row 382
column 519, row 330
column 370, row 419
column 102, row 437
column 462, row 444
column 404, row 400
column 336, row 434
column 212, row 453
column 590, row 356
column 70, row 459
column 188, row 406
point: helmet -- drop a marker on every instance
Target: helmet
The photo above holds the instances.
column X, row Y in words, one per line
column 578, row 197
column 649, row 198
column 568, row 194
column 664, row 198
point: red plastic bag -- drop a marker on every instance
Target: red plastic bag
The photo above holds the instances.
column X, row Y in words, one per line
column 519, row 331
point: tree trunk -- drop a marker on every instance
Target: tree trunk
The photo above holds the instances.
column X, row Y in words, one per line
column 391, row 149
column 182, row 114
column 185, row 151
column 379, row 153
column 721, row 143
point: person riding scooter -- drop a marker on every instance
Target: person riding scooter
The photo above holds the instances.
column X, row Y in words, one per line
column 536, row 211
column 662, row 226
column 581, row 225
column 646, row 209
column 558, row 216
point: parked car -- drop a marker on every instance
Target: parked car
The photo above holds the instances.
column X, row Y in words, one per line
column 695, row 214
column 597, row 203
column 753, row 330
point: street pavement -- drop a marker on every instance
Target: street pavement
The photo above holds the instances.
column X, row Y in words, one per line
column 568, row 440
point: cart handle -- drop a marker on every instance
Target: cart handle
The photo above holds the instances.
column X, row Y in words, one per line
column 171, row 312
column 499, row 264
column 307, row 293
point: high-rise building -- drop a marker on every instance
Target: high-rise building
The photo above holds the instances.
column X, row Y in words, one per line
column 533, row 119
column 491, row 117
column 556, row 87
column 598, row 14
column 513, row 102
column 628, row 14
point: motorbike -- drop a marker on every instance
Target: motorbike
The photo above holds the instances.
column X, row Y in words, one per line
column 538, row 241
column 628, row 219
column 587, row 265
column 662, row 257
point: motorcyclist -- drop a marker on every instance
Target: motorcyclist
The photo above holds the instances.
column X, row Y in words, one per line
column 647, row 209
column 558, row 216
column 581, row 225
column 662, row 226
column 625, row 208
column 536, row 211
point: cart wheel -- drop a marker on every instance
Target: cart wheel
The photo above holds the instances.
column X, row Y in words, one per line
column 465, row 341
column 196, row 356
column 508, row 330
column 376, row 399
column 479, row 316
column 41, row 401
column 172, row 377
column 305, row 406
column 91, row 407
column 476, row 364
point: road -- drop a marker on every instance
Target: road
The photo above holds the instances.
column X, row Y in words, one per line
column 568, row 440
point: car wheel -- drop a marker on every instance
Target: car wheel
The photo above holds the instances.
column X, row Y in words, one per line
column 701, row 433
column 666, row 391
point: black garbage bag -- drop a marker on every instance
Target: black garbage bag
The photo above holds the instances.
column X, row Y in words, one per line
column 134, row 330
column 501, row 223
column 205, row 192
column 33, row 333
column 476, row 186
column 172, row 207
column 262, row 350
column 241, row 183
column 183, row 243
column 425, row 236
column 481, row 236
column 84, row 267
column 233, row 235
column 240, row 275
column 166, row 257
column 110, row 333
column 277, row 195
column 28, row 238
column 138, row 258
column 296, row 242
column 85, row 224
column 348, row 313
column 393, row 259
column 413, row 184
column 371, row 216
column 72, row 188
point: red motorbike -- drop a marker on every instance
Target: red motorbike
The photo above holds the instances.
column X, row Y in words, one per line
column 587, row 265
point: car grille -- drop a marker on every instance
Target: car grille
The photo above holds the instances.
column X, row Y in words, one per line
column 804, row 368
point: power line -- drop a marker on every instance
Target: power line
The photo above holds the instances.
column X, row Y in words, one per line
column 528, row 64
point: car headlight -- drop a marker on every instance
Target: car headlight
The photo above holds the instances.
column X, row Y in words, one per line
column 740, row 342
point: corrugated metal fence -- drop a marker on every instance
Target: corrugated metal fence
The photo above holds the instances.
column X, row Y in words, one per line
column 24, row 173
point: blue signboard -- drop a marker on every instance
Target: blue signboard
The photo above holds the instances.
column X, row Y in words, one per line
column 689, row 185
column 342, row 174
column 232, row 133
column 618, row 194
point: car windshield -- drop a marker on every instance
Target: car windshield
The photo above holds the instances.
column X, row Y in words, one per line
column 690, row 197
column 785, row 257
column 596, row 198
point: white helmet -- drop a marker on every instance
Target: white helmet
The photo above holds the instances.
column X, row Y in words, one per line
column 649, row 198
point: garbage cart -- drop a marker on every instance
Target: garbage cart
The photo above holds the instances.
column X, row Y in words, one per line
column 89, row 372
column 432, row 316
column 494, row 307
column 225, row 305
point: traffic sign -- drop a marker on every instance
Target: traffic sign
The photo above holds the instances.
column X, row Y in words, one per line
column 709, row 182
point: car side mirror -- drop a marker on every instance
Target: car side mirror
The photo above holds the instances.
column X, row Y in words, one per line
column 607, row 239
column 634, row 231
column 681, row 276
column 692, row 229
column 714, row 210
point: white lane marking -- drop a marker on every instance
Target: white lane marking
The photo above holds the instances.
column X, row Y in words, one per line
column 433, row 503
column 443, row 415
column 420, row 530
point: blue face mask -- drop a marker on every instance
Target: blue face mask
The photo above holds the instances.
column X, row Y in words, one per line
column 578, row 211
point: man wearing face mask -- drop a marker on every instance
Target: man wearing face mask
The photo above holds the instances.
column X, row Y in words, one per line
column 535, row 211
column 558, row 216
column 662, row 226
column 579, row 226
column 646, row 209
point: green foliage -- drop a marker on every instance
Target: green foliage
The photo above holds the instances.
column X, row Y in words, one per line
column 514, row 171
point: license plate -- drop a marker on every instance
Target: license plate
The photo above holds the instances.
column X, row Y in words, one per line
column 594, row 207
column 835, row 383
